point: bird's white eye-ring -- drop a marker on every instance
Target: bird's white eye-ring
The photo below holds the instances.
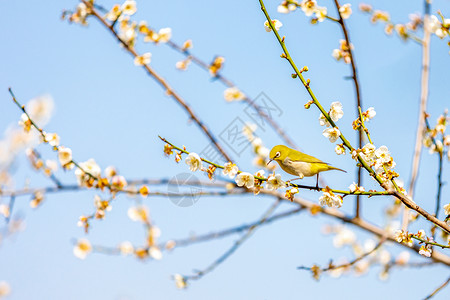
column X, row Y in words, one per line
column 278, row 154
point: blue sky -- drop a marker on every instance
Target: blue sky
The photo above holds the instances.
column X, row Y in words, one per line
column 108, row 109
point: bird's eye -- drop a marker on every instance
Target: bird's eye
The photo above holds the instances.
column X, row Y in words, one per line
column 278, row 154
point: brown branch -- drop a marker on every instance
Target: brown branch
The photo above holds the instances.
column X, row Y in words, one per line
column 422, row 109
column 162, row 82
column 438, row 289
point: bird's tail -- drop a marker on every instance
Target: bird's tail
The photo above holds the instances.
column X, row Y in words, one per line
column 334, row 168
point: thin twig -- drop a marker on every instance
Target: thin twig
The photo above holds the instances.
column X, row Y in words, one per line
column 349, row 264
column 438, row 289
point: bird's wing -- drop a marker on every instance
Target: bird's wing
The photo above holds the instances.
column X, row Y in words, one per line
column 310, row 159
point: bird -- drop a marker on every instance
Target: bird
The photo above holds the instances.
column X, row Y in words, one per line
column 297, row 163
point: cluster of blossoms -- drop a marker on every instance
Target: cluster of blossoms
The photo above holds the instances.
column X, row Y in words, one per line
column 343, row 52
column 344, row 237
column 407, row 238
column 380, row 159
column 366, row 116
column 330, row 199
column 436, row 138
column 336, row 112
column 128, row 30
column 150, row 250
column 183, row 64
column 310, row 7
column 79, row 15
column 439, row 28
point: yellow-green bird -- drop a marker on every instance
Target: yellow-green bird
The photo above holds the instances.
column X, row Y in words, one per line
column 297, row 163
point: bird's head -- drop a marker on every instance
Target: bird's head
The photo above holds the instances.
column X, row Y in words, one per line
column 278, row 153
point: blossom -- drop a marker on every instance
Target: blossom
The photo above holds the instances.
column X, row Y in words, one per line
column 87, row 167
column 344, row 237
column 436, row 147
column 340, row 150
column 168, row 150
column 52, row 139
column 245, row 179
column 110, row 171
column 336, row 54
column 119, row 182
column 389, row 28
column 230, row 169
column 402, row 258
column 308, row 7
column 321, row 13
column 323, row 121
column 40, row 109
column 4, row 210
column 336, row 111
column 425, row 250
column 38, row 197
column 383, row 154
column 286, row 7
column 290, row 193
column 183, row 64
column 65, row 157
column 330, row 199
column 403, row 237
column 143, row 59
column 369, row 152
column 332, row 134
column 447, row 209
column 129, row 7
column 187, row 45
column 277, row 24
column 370, row 113
column 180, row 281
column 365, row 7
column 355, row 188
column 82, row 248
column 138, row 213
column 194, row 161
column 216, row 65
column 5, row 289
column 274, row 182
column 155, row 252
column 233, row 94
column 114, row 13
column 126, row 248
column 144, row 191
column 164, row 35
column 345, row 11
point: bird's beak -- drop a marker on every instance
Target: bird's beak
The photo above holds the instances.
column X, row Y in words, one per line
column 270, row 160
